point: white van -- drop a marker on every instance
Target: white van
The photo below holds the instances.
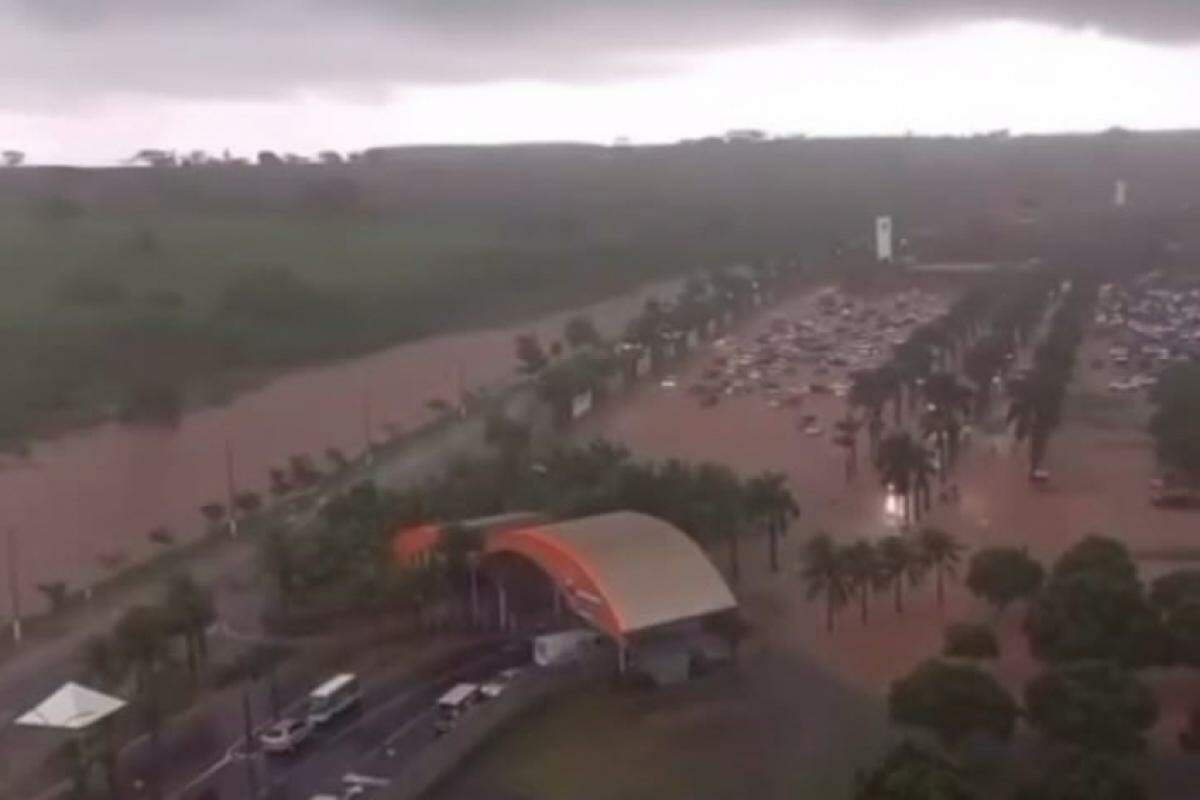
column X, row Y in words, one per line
column 333, row 697
column 453, row 704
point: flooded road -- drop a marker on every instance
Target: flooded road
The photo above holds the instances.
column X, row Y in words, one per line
column 91, row 498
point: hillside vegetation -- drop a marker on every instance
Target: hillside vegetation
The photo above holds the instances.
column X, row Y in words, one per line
column 134, row 292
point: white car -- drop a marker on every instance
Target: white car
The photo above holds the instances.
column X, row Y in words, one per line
column 285, row 736
column 814, row 430
column 496, row 686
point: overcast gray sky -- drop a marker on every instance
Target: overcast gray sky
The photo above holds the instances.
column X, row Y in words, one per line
column 89, row 81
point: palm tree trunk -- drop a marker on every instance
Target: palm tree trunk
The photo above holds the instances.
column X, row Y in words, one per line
column 773, row 545
column 829, row 611
column 734, row 562
column 862, row 595
column 898, row 586
column 944, row 455
column 941, row 586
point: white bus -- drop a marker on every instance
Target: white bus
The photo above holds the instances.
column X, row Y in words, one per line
column 333, row 697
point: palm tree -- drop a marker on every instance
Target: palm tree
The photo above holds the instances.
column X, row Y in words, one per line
column 847, row 438
column 869, row 392
column 899, row 562
column 948, row 399
column 824, row 572
column 724, row 498
column 941, row 552
column 861, row 564
column 981, row 364
column 103, row 662
column 905, row 466
column 189, row 611
column 769, row 500
column 923, row 474
column 1036, row 412
column 277, row 558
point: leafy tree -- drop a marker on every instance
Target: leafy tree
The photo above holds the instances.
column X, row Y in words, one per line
column 531, row 357
column 1092, row 615
column 910, row 772
column 1183, row 628
column 1002, row 575
column 56, row 594
column 941, row 552
column 971, row 640
column 248, row 502
column 1094, row 607
column 13, row 158
column 91, row 290
column 581, row 331
column 337, row 458
column 1175, row 425
column 1189, row 737
column 1177, row 588
column 1085, row 776
column 1096, row 554
column 953, row 701
column 161, row 536
column 508, row 436
column 824, row 574
column 1096, row 705
column 213, row 513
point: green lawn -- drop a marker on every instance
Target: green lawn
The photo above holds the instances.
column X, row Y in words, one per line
column 774, row 729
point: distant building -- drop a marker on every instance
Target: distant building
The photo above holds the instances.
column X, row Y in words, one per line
column 746, row 135
column 1120, row 194
column 883, row 238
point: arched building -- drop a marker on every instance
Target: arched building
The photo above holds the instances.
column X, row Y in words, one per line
column 624, row 573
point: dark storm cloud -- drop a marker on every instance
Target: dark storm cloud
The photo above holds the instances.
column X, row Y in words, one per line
column 254, row 48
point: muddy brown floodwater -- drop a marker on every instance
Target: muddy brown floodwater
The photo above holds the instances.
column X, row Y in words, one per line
column 88, row 496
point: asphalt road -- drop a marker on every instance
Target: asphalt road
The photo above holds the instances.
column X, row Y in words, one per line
column 394, row 721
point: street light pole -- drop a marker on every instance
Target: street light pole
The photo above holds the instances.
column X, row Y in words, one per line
column 13, row 586
column 231, row 488
column 248, row 722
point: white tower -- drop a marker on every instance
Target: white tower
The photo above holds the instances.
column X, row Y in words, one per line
column 883, row 238
column 1120, row 194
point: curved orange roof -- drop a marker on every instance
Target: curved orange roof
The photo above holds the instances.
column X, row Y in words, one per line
column 412, row 542
column 623, row 571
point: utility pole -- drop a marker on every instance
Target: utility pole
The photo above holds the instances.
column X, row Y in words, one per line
column 13, row 585
column 273, row 692
column 231, row 488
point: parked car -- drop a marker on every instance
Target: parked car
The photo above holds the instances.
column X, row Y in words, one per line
column 286, row 735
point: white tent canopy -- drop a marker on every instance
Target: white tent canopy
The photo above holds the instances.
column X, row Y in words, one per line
column 72, row 707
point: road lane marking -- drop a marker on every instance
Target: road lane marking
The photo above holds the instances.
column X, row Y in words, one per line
column 405, row 728
column 203, row 776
